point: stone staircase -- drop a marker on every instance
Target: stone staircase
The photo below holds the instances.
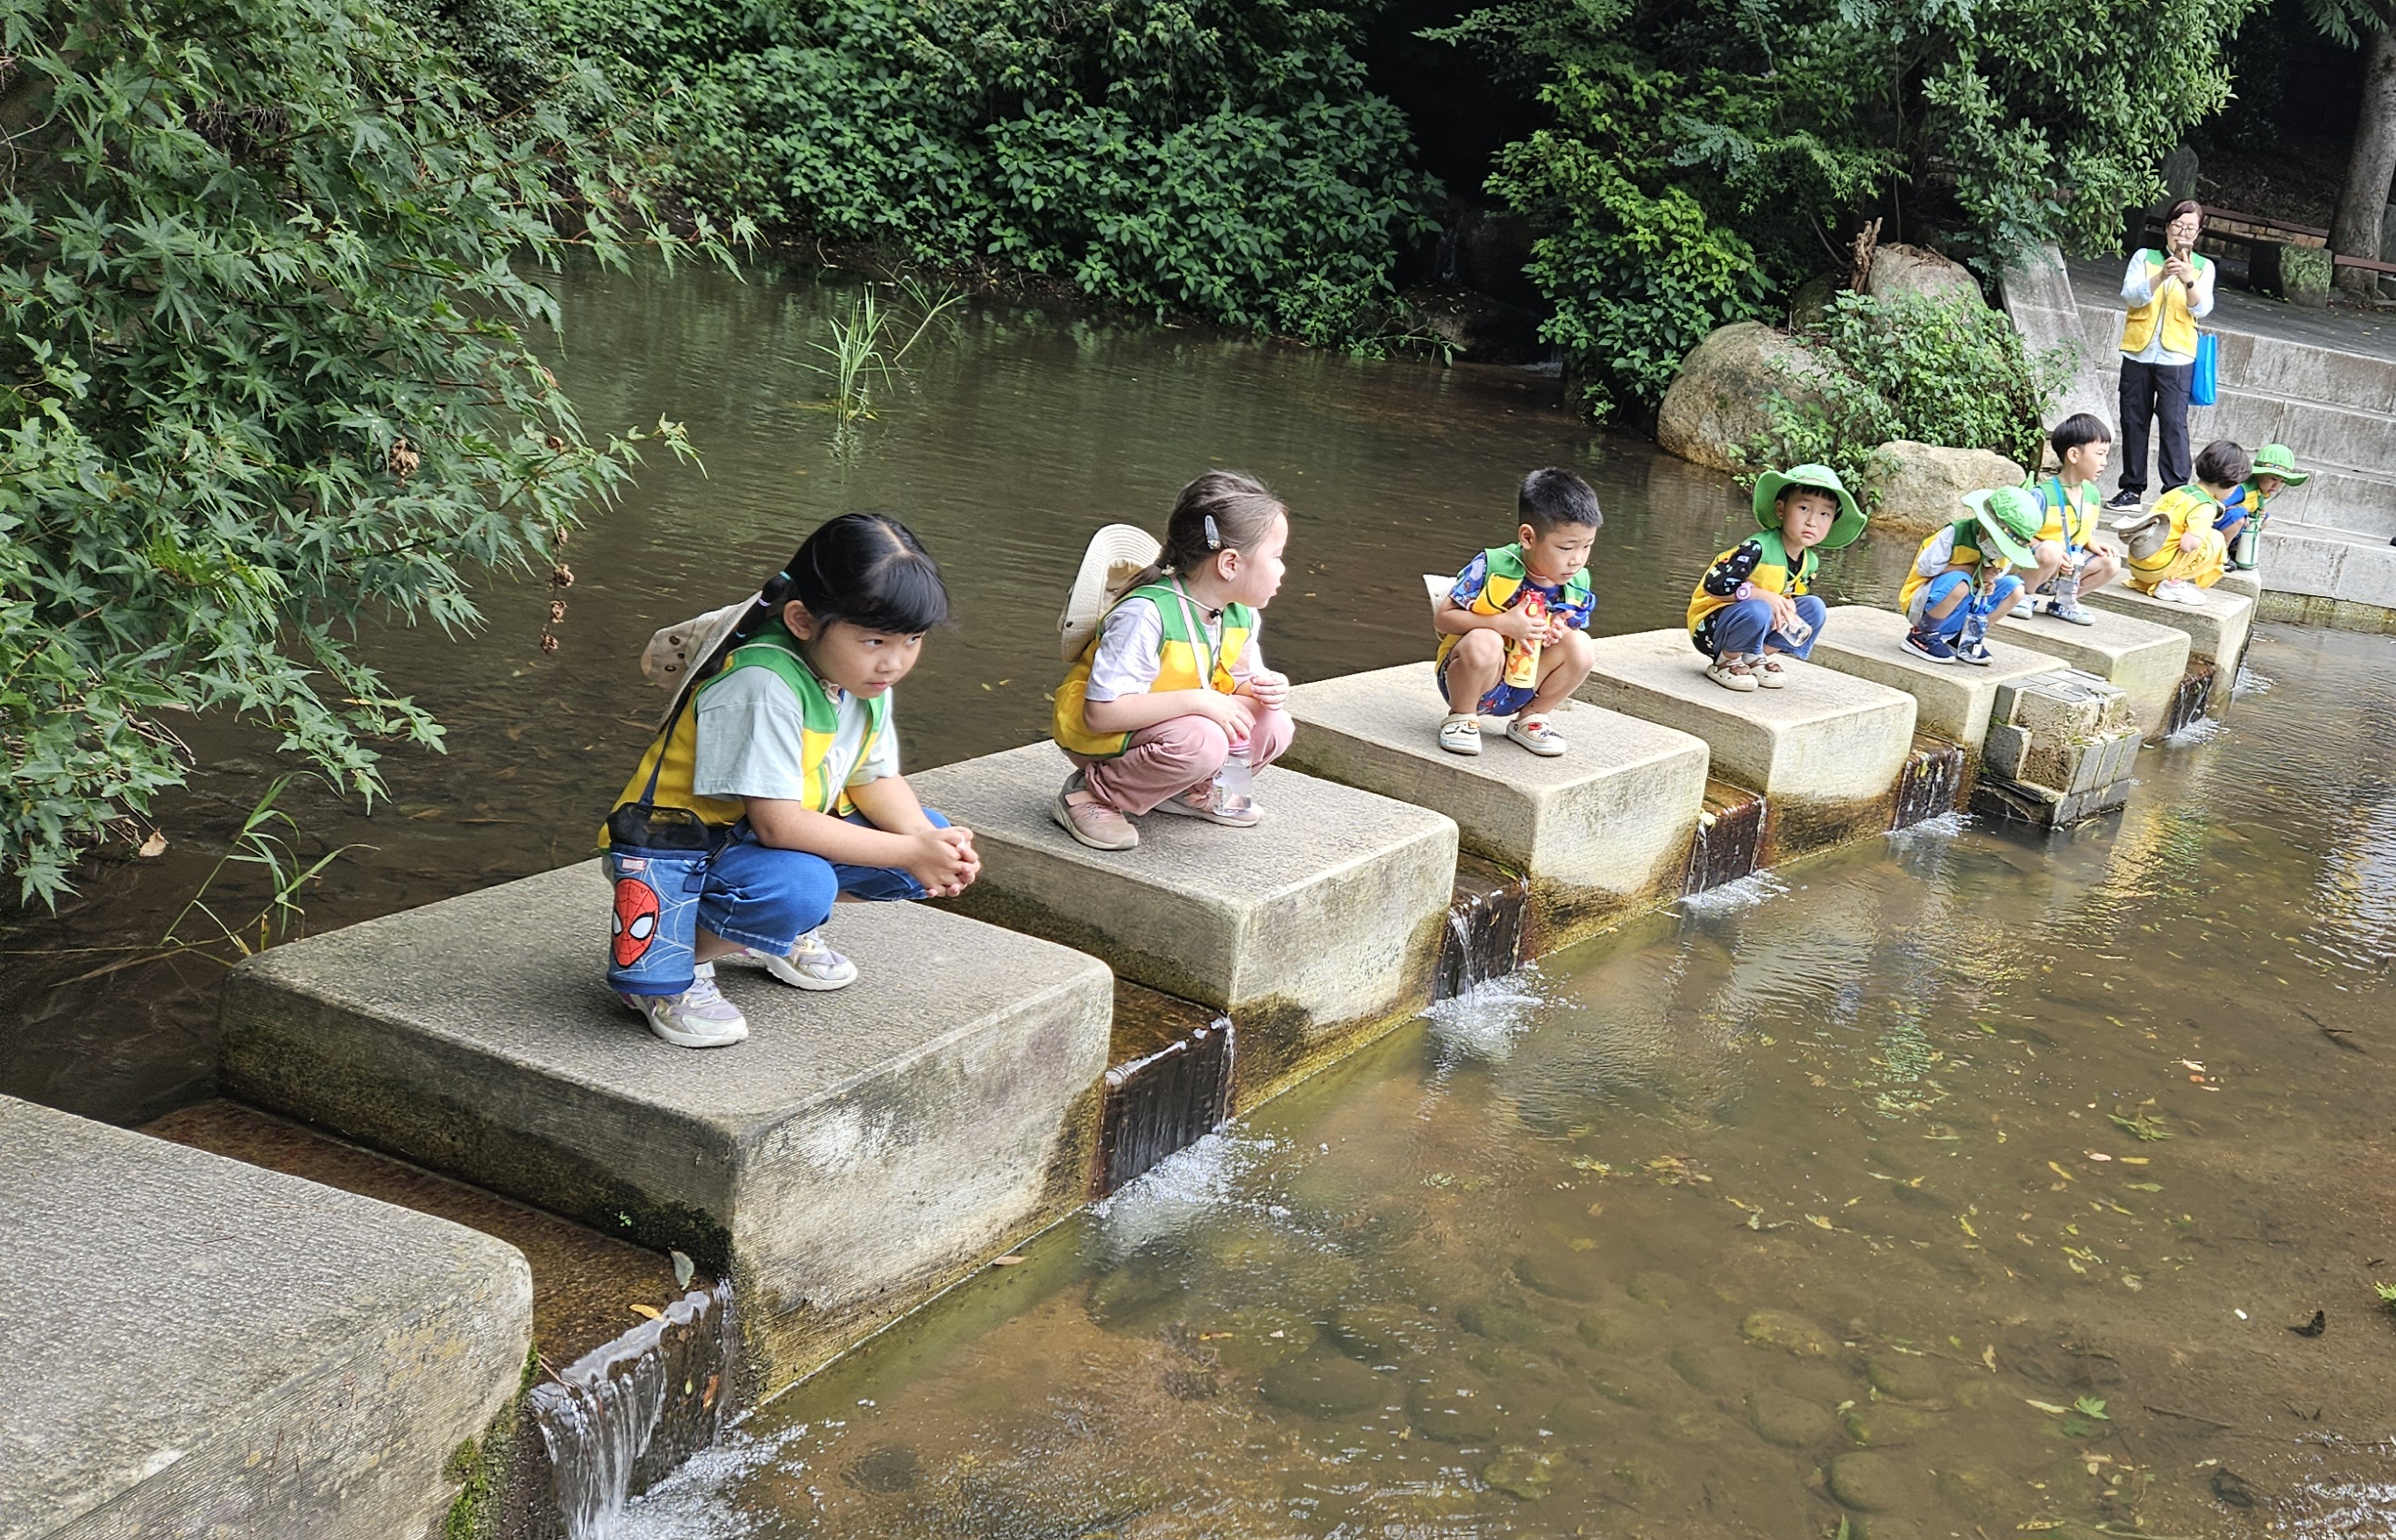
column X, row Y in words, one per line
column 2323, row 383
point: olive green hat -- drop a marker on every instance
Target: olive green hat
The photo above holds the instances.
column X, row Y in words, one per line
column 2278, row 460
column 2009, row 516
column 1821, row 478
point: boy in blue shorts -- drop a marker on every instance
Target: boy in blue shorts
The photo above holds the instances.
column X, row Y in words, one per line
column 2069, row 563
column 1513, row 631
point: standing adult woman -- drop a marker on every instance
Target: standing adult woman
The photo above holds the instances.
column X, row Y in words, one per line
column 2168, row 292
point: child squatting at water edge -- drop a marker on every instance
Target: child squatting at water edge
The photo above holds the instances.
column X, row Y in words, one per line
column 1171, row 687
column 1755, row 603
column 1513, row 629
column 774, row 787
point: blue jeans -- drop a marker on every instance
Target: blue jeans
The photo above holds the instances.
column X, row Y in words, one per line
column 764, row 897
column 1746, row 627
column 1950, row 625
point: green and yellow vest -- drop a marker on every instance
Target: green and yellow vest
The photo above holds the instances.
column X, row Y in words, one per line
column 2169, row 306
column 1188, row 660
column 1967, row 553
column 2189, row 507
column 776, row 652
column 2069, row 519
column 1506, row 574
column 1771, row 572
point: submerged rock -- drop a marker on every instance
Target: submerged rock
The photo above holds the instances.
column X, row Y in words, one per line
column 1376, row 1333
column 1659, row 1289
column 1635, row 1387
column 1791, row 1333
column 1870, row 1483
column 1321, row 1385
column 1500, row 1323
column 1880, row 1423
column 1638, row 1478
column 1607, row 1331
column 1520, row 1473
column 1901, row 1378
column 1563, row 1275
column 1453, row 1414
column 1790, row 1422
column 1715, row 1368
column 891, row 1467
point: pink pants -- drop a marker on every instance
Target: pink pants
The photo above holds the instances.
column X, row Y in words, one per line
column 1171, row 757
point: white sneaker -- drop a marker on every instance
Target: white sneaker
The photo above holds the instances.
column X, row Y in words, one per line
column 809, row 964
column 2179, row 590
column 698, row 1017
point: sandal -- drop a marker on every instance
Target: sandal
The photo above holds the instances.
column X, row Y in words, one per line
column 1730, row 671
column 1769, row 673
column 1533, row 733
column 1460, row 735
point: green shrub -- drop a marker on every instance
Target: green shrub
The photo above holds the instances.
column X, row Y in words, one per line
column 264, row 375
column 1909, row 367
column 1205, row 157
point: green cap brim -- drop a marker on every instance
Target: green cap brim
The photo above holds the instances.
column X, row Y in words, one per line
column 1844, row 529
column 2012, row 550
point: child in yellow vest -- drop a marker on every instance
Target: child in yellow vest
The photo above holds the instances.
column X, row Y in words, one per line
column 2247, row 509
column 2070, row 562
column 784, row 761
column 1755, row 602
column 1172, row 689
column 2175, row 552
column 1513, row 632
column 1961, row 581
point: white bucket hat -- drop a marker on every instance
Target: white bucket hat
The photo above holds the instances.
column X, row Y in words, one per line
column 1115, row 556
column 674, row 650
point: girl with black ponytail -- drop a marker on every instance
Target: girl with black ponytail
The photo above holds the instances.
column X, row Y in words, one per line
column 785, row 755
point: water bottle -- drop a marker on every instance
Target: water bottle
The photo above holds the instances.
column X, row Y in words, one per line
column 1796, row 630
column 2063, row 589
column 2243, row 557
column 1234, row 791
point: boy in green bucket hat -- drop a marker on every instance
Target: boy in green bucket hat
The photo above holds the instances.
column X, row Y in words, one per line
column 1754, row 604
column 2246, row 511
column 1962, row 582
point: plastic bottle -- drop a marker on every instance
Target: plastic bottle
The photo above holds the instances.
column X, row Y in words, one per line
column 1234, row 783
column 1796, row 630
column 1523, row 658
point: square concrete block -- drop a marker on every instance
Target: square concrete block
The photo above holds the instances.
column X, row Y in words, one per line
column 2248, row 583
column 1600, row 832
column 1315, row 930
column 198, row 1346
column 1826, row 749
column 2297, row 559
column 2068, row 702
column 1951, row 700
column 2216, row 629
column 2144, row 660
column 863, row 1151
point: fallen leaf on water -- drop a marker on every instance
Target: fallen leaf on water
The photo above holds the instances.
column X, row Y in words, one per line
column 1007, row 1261
column 1819, row 1222
column 1989, row 1357
column 2048, row 1407
column 2145, row 1187
column 2060, row 1171
column 2098, row 1155
column 1212, row 1336
column 2193, row 1065
column 154, row 845
column 649, row 1310
column 684, row 1269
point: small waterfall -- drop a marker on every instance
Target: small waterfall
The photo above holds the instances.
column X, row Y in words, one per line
column 1729, row 840
column 2191, row 700
column 1485, row 920
column 1929, row 784
column 1164, row 1102
column 624, row 1415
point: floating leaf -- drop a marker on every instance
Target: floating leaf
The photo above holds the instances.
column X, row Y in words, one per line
column 2048, row 1407
column 1007, row 1261
column 649, row 1310
column 2090, row 1406
column 154, row 845
column 684, row 1269
column 2146, row 1126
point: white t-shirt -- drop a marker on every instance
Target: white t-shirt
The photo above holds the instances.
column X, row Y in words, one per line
column 1131, row 650
column 752, row 735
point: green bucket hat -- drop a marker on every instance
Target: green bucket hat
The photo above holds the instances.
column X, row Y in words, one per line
column 2009, row 516
column 1821, row 478
column 2278, row 460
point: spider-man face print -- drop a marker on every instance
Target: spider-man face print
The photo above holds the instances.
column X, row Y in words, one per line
column 635, row 921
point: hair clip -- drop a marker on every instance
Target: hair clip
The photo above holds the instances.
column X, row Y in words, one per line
column 1214, row 539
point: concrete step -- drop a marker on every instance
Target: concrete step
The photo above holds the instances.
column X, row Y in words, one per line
column 198, row 1346
column 1826, row 750
column 1952, row 699
column 1600, row 831
column 2217, row 629
column 1315, row 931
column 2338, row 566
column 862, row 1150
column 2146, row 660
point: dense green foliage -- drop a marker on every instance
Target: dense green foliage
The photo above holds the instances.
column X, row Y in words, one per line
column 1216, row 157
column 1705, row 154
column 264, row 372
column 1911, row 367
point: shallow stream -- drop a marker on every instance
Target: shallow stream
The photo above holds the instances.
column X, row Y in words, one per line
column 1952, row 1183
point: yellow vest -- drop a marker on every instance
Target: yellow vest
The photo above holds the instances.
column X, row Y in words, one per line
column 1506, row 574
column 2189, row 508
column 2071, row 512
column 1770, row 573
column 1179, row 666
column 1967, row 553
column 673, row 756
column 2170, row 304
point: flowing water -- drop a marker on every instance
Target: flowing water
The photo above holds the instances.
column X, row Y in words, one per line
column 1948, row 1186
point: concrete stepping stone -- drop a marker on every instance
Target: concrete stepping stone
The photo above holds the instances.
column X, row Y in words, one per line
column 863, row 1151
column 2249, row 582
column 2217, row 629
column 1600, row 832
column 1314, row 931
column 199, row 1347
column 1826, row 749
column 1951, row 700
column 2144, row 660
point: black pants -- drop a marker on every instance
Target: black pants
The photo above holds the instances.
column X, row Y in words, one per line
column 2154, row 395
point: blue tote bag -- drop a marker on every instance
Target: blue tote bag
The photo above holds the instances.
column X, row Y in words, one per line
column 2204, row 386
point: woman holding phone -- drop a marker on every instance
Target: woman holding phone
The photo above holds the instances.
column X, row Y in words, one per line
column 2168, row 291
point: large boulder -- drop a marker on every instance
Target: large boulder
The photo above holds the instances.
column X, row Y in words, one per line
column 1717, row 401
column 1921, row 486
column 1911, row 270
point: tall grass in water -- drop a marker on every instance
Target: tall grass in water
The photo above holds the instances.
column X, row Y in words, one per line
column 871, row 340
